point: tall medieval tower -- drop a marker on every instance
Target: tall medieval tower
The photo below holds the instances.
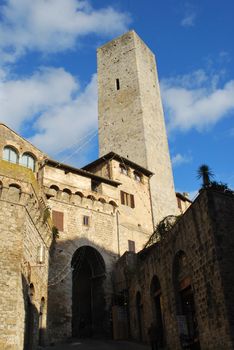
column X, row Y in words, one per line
column 131, row 121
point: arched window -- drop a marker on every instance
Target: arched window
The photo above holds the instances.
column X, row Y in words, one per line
column 28, row 161
column 10, row 154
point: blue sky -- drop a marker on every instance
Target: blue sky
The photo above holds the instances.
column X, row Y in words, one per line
column 48, row 75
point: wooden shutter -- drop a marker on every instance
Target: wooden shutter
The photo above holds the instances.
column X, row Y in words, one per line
column 132, row 201
column 122, row 197
column 57, row 218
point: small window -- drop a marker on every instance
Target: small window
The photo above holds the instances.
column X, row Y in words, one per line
column 86, row 220
column 117, row 84
column 57, row 218
column 28, row 161
column 131, row 246
column 127, row 199
column 123, row 169
column 94, row 185
column 10, row 154
column 137, row 176
column 179, row 203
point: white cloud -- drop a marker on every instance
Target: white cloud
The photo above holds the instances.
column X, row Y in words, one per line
column 53, row 25
column 51, row 101
column 196, row 100
column 179, row 159
column 188, row 20
column 62, row 125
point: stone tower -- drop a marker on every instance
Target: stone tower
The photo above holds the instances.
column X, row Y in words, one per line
column 131, row 120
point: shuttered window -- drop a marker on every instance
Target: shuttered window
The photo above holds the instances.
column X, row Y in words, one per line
column 127, row 199
column 57, row 218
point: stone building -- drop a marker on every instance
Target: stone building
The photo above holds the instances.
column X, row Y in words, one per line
column 65, row 231
column 184, row 282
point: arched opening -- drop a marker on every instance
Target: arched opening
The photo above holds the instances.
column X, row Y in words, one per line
column 41, row 340
column 66, row 194
column 185, row 305
column 10, row 154
column 102, row 200
column 28, row 160
column 113, row 203
column 88, row 304
column 139, row 307
column 53, row 191
column 91, row 197
column 80, row 194
column 156, row 298
column 14, row 191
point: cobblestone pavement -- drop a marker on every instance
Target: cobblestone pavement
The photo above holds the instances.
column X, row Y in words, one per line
column 99, row 345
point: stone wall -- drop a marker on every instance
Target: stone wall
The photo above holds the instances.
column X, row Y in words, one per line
column 131, row 121
column 204, row 234
column 23, row 277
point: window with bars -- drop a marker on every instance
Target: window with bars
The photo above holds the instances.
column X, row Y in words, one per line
column 127, row 199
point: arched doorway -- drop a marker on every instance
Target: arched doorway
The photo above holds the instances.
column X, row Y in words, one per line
column 186, row 313
column 139, row 315
column 89, row 316
column 156, row 298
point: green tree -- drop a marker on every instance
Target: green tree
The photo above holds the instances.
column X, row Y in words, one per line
column 205, row 173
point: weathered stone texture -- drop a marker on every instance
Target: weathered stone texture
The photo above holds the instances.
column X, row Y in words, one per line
column 209, row 219
column 131, row 121
column 22, row 233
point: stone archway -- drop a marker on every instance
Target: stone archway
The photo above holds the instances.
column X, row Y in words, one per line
column 89, row 316
column 156, row 299
column 185, row 303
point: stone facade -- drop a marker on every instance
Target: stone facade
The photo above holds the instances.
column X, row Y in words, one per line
column 131, row 121
column 204, row 234
column 24, row 274
column 87, row 208
column 65, row 230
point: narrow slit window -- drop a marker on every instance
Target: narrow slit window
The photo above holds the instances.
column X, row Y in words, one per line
column 117, row 84
column 86, row 220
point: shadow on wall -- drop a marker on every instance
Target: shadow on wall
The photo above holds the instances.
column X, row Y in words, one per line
column 31, row 319
column 79, row 290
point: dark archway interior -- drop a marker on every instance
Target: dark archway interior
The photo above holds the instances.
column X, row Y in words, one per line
column 89, row 316
column 139, row 315
column 185, row 303
column 156, row 295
